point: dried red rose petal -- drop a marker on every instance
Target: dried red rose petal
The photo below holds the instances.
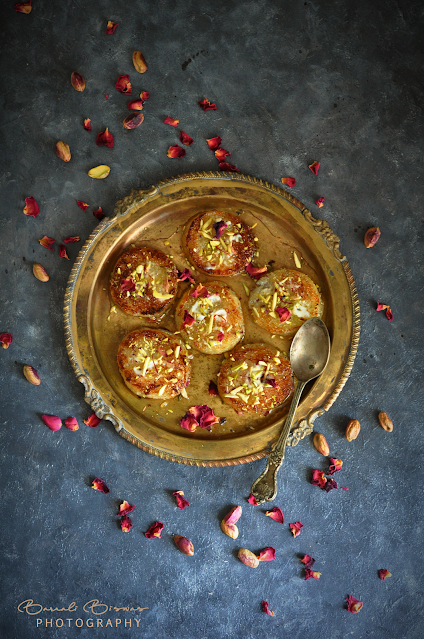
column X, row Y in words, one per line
column 353, row 605
column 283, row 313
column 181, row 501
column 267, row 554
column 219, row 228
column 311, row 574
column 125, row 508
column 220, row 336
column 52, row 421
column 186, row 275
column 189, row 422
column 335, row 466
column 184, row 545
column 176, row 151
column 213, row 388
column 188, row 319
column 344, row 487
column 111, row 26
column 83, row 205
column 133, row 120
column 314, row 167
column 224, row 166
column 295, row 528
column 171, row 121
column 99, row 214
column 87, row 124
column 6, row 339
column 320, row 202
column 204, row 416
column 62, row 251
column 200, row 290
column 233, row 516
column 126, row 523
column 31, row 207
column 252, row 500
column 99, row 484
column 92, row 420
column 77, row 81
column 256, row 272
column 384, row 573
column 185, row 138
column 308, row 561
column 127, row 284
column 154, row 530
column 276, row 514
column 221, row 154
column 47, row 242
column 106, row 96
column 318, row 478
column 105, row 138
column 206, row 105
column 214, row 143
column 372, row 236
column 272, row 382
column 135, row 105
column 382, row 307
column 72, row 238
column 331, row 483
column 289, row 181
column 123, row 84
column 71, row 423
column 144, row 95
column 266, row 610
column 23, row 7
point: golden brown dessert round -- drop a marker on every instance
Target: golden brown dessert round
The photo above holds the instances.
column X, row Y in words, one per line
column 219, row 243
column 144, row 281
column 282, row 301
column 255, row 378
column 154, row 363
column 210, row 318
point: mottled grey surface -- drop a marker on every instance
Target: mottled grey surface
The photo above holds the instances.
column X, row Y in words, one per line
column 295, row 81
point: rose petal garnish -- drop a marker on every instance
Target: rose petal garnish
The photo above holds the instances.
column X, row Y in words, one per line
column 311, row 574
column 283, row 313
column 154, row 530
column 133, row 120
column 99, row 214
column 200, row 290
column 52, row 421
column 308, row 561
column 72, row 238
column 99, row 172
column 384, row 573
column 233, row 516
column 99, row 484
column 92, row 420
column 186, row 275
column 189, row 422
column 331, row 483
column 214, row 143
column 47, row 242
column 111, row 26
column 6, row 339
column 176, row 151
column 295, row 528
column 105, row 138
column 276, row 514
column 77, row 81
column 185, row 138
column 63, row 151
column 23, row 7
column 171, row 121
column 382, row 307
column 106, row 96
column 219, row 228
column 87, row 124
column 213, row 389
column 71, row 423
column 353, row 605
column 220, row 336
column 224, row 166
column 221, row 154
column 344, row 487
column 256, row 272
column 372, row 236
column 83, row 205
column 314, row 167
column 135, row 105
column 206, row 105
column 267, row 554
column 181, row 501
column 271, row 382
column 62, row 251
column 188, row 319
column 289, row 181
column 126, row 523
column 318, row 478
column 252, row 500
column 31, row 207
column 144, row 95
column 204, row 415
column 266, row 610
column 139, row 62
column 320, row 202
column 335, row 466
column 127, row 284
column 125, row 508
column 123, row 84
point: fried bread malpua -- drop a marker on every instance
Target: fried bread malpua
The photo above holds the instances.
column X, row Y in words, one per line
column 255, row 378
column 219, row 243
column 154, row 363
column 282, row 300
column 144, row 282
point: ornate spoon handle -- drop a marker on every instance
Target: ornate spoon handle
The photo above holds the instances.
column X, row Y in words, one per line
column 265, row 486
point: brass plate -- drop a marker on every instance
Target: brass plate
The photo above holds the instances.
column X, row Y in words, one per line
column 158, row 215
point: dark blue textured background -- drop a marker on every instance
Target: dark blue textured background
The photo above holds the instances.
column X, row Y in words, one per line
column 340, row 82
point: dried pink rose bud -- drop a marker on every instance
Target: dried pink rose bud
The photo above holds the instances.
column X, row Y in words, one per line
column 52, row 421
column 184, row 545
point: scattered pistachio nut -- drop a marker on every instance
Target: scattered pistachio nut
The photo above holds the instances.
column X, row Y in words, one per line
column 372, row 236
column 133, row 120
column 229, row 529
column 321, row 445
column 77, row 81
column 248, row 558
column 184, row 545
column 40, row 273
column 63, row 151
column 99, row 172
column 139, row 62
column 32, row 375
column 385, row 422
column 352, row 430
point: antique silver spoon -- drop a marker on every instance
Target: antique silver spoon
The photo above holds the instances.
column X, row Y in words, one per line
column 309, row 355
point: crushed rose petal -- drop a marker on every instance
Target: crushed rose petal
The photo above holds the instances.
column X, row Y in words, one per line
column 71, row 423
column 31, row 207
column 72, row 238
column 188, row 319
column 213, row 389
column 111, row 26
column 106, row 96
column 127, row 284
column 382, row 307
column 318, row 478
column 220, row 336
column 219, row 228
column 200, row 290
column 125, row 508
column 224, row 166
column 276, row 514
column 344, row 487
column 185, row 138
column 99, row 214
column 315, row 167
column 384, row 573
column 52, row 421
column 99, row 484
column 181, row 501
column 256, row 272
column 206, row 105
column 105, row 138
column 171, row 121
column 353, row 605
column 295, row 528
column 266, row 610
column 311, row 574
column 252, row 500
column 283, row 313
column 221, row 154
column 92, row 420
column 176, row 151
column 289, row 181
column 6, row 339
column 135, row 105
column 267, row 554
column 62, row 251
column 186, row 275
column 123, row 84
column 87, row 124
column 308, row 561
column 23, row 7
column 154, row 530
column 272, row 382
column 320, row 202
column 214, row 143
column 47, row 242
column 331, row 483
column 335, row 466
column 83, row 205
column 126, row 523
